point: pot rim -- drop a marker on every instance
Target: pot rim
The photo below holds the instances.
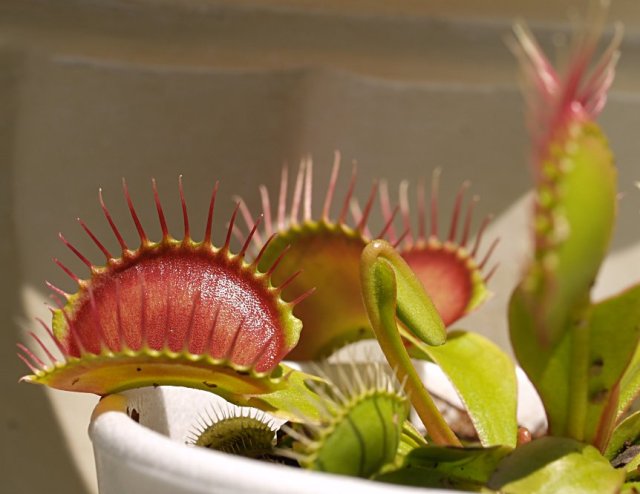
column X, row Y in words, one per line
column 116, row 435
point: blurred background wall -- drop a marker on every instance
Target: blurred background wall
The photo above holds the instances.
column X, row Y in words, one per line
column 92, row 91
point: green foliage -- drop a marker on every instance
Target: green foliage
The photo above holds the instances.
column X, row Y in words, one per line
column 446, row 467
column 487, row 391
column 552, row 465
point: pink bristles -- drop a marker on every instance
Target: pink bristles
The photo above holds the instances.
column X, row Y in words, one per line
column 238, row 234
column 453, row 231
column 31, row 366
column 347, row 199
column 385, row 205
column 555, row 98
column 487, row 255
column 72, row 330
column 113, row 226
column 422, row 208
column 479, row 235
column 266, row 208
column 70, row 273
column 302, row 297
column 57, row 290
column 289, row 280
column 326, row 210
column 96, row 319
column 75, row 251
column 134, row 216
column 106, row 253
column 227, row 241
column 212, row 203
column 282, row 199
column 277, row 261
column 404, row 210
column 53, row 337
column 249, row 221
column 308, row 188
column 367, row 209
column 491, row 272
column 57, row 300
column 247, row 242
column 401, row 238
column 185, row 214
column 356, row 212
column 297, row 193
column 34, row 358
column 161, row 217
column 467, row 221
column 389, row 224
column 435, row 187
column 44, row 348
column 256, row 261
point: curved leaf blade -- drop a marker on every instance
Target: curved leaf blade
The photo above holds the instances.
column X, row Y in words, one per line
column 485, row 378
column 614, row 331
column 551, row 465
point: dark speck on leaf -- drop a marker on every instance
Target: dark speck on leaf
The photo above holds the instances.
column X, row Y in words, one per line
column 596, row 367
column 598, row 396
column 210, row 385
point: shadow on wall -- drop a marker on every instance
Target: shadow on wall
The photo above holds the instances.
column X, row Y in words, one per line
column 31, row 439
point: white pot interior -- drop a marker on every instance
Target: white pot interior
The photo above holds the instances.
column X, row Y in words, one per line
column 153, row 457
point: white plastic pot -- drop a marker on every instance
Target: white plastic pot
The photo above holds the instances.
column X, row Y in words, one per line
column 151, row 457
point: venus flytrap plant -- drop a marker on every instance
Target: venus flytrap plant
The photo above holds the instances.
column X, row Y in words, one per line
column 189, row 313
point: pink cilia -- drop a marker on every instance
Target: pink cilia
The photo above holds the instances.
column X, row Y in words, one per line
column 450, row 265
column 167, row 312
column 327, row 250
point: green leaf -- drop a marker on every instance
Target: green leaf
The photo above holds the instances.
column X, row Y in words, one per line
column 466, row 469
column 548, row 367
column 552, row 465
column 484, row 377
column 630, row 383
column 429, row 477
column 624, row 435
column 614, row 331
column 469, row 464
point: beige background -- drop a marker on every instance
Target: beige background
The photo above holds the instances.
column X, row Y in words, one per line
column 93, row 91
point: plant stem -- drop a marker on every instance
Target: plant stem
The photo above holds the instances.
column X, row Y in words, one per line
column 380, row 293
